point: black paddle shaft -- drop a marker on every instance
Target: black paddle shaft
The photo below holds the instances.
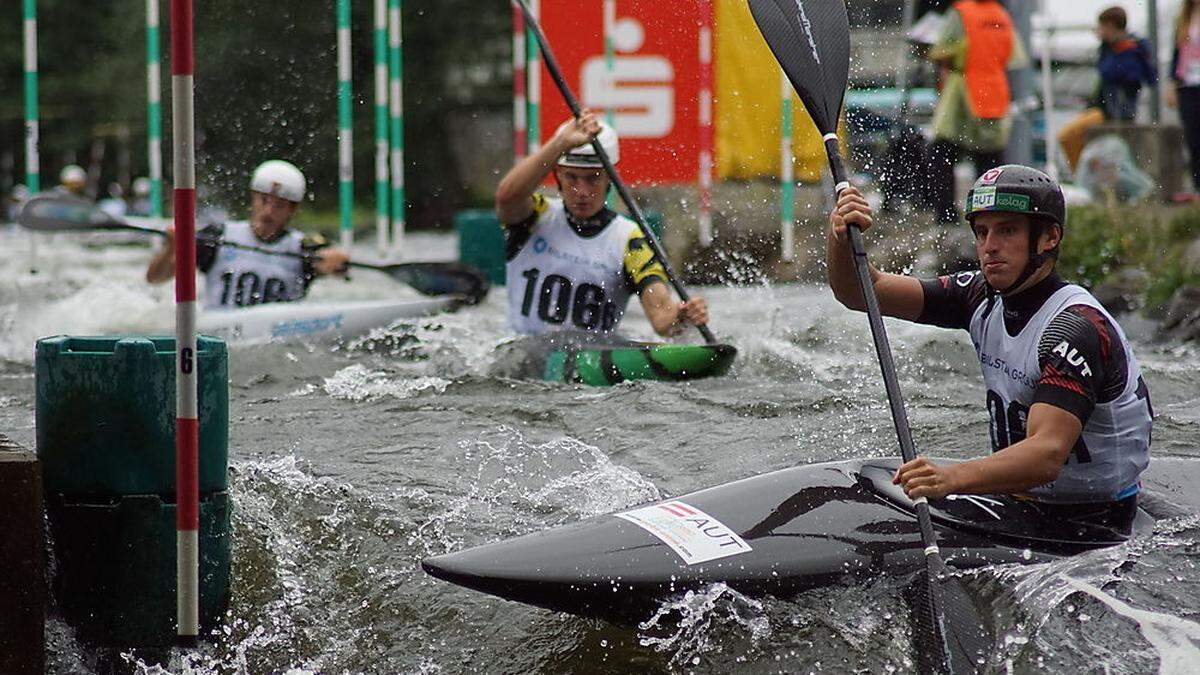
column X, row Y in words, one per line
column 811, row 41
column 931, row 609
column 883, row 349
column 634, row 210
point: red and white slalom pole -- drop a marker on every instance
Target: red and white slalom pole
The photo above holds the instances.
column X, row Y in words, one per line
column 187, row 422
column 706, row 121
column 520, row 141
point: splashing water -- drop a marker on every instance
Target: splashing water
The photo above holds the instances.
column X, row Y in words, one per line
column 1176, row 640
column 687, row 625
column 518, row 486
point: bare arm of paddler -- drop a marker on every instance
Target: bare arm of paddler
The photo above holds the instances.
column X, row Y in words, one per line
column 899, row 296
column 513, row 194
column 1017, row 468
column 162, row 263
column 668, row 315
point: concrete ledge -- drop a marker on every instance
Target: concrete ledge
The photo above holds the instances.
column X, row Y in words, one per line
column 1158, row 149
column 22, row 562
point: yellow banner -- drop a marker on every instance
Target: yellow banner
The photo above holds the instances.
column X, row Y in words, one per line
column 748, row 103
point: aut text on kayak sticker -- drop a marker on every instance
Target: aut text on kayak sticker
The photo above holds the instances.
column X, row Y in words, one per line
column 693, row 534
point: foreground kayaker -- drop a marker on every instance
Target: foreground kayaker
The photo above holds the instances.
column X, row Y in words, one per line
column 1070, row 413
column 240, row 278
column 572, row 262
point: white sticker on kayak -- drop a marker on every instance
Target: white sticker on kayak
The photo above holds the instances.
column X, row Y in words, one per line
column 693, row 534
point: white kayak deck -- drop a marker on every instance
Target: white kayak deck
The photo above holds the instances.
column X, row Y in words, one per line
column 320, row 320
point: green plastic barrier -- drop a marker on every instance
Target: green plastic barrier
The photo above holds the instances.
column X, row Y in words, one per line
column 105, row 415
column 115, row 572
column 481, row 240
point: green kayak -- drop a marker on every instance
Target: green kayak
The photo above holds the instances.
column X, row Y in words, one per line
column 604, row 360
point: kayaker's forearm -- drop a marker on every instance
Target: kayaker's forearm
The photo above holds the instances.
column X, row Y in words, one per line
column 1017, row 468
column 518, row 185
column 843, row 280
column 161, row 267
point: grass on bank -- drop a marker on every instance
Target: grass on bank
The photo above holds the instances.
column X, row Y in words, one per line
column 1100, row 240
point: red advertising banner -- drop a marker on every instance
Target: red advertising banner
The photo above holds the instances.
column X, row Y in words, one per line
column 652, row 88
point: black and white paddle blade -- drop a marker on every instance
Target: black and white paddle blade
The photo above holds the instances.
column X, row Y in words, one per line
column 950, row 634
column 57, row 213
column 811, row 41
column 442, row 278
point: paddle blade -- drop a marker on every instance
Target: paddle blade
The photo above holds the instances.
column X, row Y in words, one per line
column 949, row 632
column 811, row 41
column 442, row 278
column 55, row 213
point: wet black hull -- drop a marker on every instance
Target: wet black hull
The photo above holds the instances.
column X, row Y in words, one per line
column 778, row 534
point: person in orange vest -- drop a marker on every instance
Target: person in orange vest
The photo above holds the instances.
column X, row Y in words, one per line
column 977, row 47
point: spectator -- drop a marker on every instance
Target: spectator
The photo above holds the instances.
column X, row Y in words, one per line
column 1125, row 64
column 1185, row 70
column 976, row 48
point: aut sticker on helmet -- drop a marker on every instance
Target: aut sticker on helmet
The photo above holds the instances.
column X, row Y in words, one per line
column 990, row 176
column 982, row 198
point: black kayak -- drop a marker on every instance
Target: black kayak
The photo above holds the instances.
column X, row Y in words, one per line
column 601, row 360
column 775, row 534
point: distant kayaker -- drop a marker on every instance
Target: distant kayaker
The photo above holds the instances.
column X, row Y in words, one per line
column 1070, row 412
column 572, row 262
column 72, row 182
column 240, row 278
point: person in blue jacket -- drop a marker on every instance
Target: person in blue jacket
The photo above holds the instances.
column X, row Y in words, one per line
column 1125, row 63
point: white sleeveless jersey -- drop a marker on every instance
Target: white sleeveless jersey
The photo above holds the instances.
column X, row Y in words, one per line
column 1114, row 447
column 240, row 278
column 562, row 281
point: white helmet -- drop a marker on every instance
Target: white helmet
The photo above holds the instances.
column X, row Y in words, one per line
column 72, row 174
column 584, row 156
column 279, row 178
column 141, row 186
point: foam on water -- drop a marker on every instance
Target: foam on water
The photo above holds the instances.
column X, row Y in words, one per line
column 358, row 383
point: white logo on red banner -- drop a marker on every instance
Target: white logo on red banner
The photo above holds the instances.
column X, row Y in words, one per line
column 693, row 534
column 640, row 91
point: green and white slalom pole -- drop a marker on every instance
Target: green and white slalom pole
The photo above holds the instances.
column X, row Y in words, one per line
column 533, row 94
column 154, row 108
column 345, row 126
column 187, row 419
column 610, row 26
column 33, row 177
column 382, row 149
column 787, row 158
column 396, row 105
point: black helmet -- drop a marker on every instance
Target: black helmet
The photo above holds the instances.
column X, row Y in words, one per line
column 1013, row 188
column 1017, row 189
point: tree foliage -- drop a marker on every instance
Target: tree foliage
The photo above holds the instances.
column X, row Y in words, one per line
column 265, row 87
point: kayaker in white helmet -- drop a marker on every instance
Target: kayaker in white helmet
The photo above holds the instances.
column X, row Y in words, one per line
column 572, row 262
column 72, row 181
column 1070, row 412
column 240, row 278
